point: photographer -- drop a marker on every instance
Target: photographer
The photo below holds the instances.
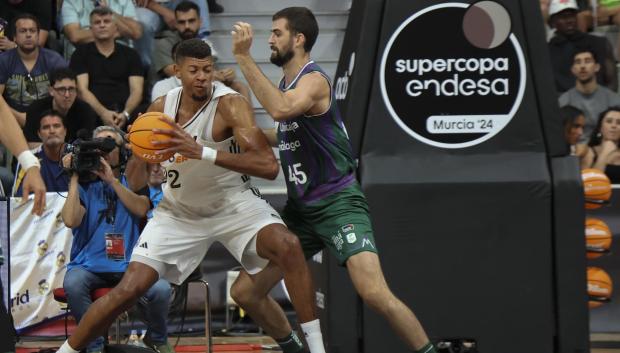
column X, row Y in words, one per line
column 105, row 214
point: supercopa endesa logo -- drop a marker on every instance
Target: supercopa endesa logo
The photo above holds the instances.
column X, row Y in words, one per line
column 453, row 75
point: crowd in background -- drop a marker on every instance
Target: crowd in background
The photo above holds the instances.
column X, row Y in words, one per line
column 584, row 62
column 91, row 63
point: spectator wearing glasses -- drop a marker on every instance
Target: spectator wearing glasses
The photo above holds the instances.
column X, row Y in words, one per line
column 63, row 99
column 52, row 131
column 24, row 70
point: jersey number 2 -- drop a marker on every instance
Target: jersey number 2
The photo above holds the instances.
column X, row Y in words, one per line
column 296, row 175
column 174, row 175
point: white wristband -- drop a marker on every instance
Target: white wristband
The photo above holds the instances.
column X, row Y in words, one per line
column 209, row 154
column 28, row 160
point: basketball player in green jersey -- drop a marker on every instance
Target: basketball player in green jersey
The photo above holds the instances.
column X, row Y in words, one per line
column 325, row 207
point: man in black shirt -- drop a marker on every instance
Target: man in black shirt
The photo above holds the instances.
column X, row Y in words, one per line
column 109, row 74
column 567, row 38
column 77, row 114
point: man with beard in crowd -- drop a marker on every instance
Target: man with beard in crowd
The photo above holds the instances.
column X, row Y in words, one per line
column 188, row 21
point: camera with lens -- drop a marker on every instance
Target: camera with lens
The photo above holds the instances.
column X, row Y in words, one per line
column 87, row 154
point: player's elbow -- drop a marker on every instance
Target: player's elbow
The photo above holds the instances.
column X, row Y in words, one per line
column 272, row 170
column 280, row 113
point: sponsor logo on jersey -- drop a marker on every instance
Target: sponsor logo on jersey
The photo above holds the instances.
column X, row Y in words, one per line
column 289, row 126
column 337, row 240
column 289, row 146
column 347, row 228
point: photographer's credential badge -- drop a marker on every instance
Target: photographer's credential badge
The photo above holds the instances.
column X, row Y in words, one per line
column 115, row 246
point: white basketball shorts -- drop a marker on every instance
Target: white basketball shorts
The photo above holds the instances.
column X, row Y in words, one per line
column 175, row 247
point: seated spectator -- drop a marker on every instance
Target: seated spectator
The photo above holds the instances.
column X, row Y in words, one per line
column 24, row 70
column 587, row 95
column 76, row 113
column 155, row 14
column 52, row 132
column 603, row 153
column 573, row 121
column 109, row 74
column 164, row 86
column 105, row 211
column 9, row 10
column 567, row 38
column 155, row 180
column 187, row 24
column 75, row 18
column 584, row 16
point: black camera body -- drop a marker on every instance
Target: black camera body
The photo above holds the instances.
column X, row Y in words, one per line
column 87, row 153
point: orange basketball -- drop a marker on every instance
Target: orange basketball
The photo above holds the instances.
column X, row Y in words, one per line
column 596, row 186
column 598, row 238
column 600, row 287
column 141, row 137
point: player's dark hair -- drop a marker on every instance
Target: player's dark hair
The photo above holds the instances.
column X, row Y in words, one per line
column 300, row 20
column 192, row 48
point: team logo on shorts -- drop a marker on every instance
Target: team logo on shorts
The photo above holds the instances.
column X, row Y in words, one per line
column 351, row 238
column 347, row 228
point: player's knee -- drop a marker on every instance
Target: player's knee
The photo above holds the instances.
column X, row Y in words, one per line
column 375, row 297
column 289, row 250
column 126, row 295
column 241, row 294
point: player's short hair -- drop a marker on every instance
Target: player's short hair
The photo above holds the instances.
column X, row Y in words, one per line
column 185, row 6
column 61, row 74
column 192, row 48
column 101, row 11
column 300, row 20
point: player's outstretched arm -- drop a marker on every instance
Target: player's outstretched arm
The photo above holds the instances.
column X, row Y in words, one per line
column 13, row 138
column 312, row 89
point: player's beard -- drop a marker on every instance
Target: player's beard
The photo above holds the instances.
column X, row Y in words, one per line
column 280, row 59
column 198, row 98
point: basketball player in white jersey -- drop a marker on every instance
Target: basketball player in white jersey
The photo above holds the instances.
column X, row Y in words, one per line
column 207, row 198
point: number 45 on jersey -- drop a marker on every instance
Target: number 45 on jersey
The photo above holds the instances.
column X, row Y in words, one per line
column 296, row 175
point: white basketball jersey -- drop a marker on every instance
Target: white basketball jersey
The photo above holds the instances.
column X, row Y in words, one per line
column 194, row 188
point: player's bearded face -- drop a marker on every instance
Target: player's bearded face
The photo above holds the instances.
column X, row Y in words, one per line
column 281, row 56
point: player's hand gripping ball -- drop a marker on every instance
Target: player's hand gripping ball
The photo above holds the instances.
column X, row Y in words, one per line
column 141, row 137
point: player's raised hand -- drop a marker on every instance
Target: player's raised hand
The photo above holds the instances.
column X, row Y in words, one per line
column 33, row 183
column 242, row 36
column 180, row 141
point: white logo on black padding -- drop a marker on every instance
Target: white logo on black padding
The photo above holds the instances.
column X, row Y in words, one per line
column 453, row 75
